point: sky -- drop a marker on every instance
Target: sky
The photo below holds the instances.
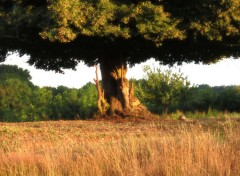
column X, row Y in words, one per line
column 225, row 72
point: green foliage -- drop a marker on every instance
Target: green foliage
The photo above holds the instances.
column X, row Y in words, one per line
column 65, row 103
column 65, row 32
column 42, row 100
column 106, row 18
column 21, row 101
column 204, row 98
column 15, row 101
column 88, row 100
column 165, row 91
column 228, row 98
column 199, row 98
column 14, row 72
column 162, row 90
column 57, row 34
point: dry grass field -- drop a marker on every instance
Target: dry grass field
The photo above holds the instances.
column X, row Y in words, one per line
column 207, row 147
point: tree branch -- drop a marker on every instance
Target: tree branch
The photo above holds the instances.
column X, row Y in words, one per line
column 14, row 38
column 102, row 103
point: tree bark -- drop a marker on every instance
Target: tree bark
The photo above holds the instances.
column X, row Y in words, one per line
column 118, row 92
column 101, row 102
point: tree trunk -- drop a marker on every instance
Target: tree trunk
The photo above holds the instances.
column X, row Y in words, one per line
column 118, row 92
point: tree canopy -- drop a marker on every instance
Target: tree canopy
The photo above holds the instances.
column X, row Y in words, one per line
column 14, row 72
column 58, row 34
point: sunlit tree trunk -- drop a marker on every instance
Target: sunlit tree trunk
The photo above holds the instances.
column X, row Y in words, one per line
column 117, row 91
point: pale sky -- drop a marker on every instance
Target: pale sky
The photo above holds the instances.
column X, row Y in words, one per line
column 225, row 72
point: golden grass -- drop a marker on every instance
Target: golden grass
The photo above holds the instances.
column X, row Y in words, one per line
column 95, row 148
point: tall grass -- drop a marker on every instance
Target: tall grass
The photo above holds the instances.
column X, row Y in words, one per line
column 93, row 148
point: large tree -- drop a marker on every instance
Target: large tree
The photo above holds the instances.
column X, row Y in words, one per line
column 57, row 34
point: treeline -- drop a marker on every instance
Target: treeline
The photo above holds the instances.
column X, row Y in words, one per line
column 201, row 98
column 165, row 91
column 20, row 100
column 204, row 97
column 161, row 91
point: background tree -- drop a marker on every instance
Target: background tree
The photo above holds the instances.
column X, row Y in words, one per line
column 15, row 94
column 161, row 90
column 14, row 72
column 74, row 103
column 42, row 101
column 58, row 34
column 87, row 100
column 71, row 107
column 200, row 98
column 228, row 99
column 15, row 101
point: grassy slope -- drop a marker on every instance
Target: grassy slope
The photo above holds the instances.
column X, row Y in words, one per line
column 159, row 147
